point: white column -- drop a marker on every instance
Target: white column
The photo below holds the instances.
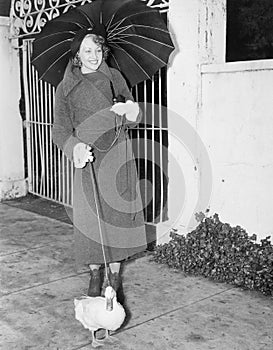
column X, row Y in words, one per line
column 198, row 29
column 12, row 181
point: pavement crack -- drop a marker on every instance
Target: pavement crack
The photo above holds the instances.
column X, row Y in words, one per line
column 41, row 284
column 174, row 310
column 25, row 250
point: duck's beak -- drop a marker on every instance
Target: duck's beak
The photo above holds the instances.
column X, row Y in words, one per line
column 109, row 304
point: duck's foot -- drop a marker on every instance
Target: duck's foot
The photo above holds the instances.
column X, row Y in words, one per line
column 110, row 338
column 95, row 342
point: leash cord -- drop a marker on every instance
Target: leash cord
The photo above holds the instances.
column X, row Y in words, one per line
column 98, row 215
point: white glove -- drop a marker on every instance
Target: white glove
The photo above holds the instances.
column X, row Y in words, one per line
column 82, row 154
column 129, row 108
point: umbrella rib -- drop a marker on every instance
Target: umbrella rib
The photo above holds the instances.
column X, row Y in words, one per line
column 86, row 17
column 60, row 20
column 141, row 48
column 53, row 34
column 122, row 29
column 53, row 46
column 149, row 10
column 131, row 57
column 114, row 58
column 107, row 25
column 59, row 58
column 138, row 36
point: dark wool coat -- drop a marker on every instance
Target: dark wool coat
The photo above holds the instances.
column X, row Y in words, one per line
column 107, row 205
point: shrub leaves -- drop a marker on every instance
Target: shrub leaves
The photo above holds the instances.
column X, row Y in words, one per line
column 221, row 252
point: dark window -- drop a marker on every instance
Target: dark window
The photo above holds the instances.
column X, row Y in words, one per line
column 249, row 30
column 5, row 7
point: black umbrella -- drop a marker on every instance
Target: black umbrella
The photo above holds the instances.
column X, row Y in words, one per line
column 138, row 38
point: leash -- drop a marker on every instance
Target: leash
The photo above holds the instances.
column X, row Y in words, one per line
column 99, row 219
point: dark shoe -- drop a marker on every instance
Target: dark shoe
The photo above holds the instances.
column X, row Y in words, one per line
column 116, row 284
column 94, row 289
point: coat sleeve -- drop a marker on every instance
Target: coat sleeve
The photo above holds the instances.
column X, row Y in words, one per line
column 123, row 90
column 63, row 130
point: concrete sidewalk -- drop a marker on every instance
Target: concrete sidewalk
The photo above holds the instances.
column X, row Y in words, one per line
column 168, row 310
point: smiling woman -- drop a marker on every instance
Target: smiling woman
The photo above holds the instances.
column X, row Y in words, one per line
column 92, row 132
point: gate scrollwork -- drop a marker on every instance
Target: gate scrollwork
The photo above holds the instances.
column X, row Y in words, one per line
column 27, row 17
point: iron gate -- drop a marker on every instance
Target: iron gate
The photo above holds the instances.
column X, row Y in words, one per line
column 50, row 173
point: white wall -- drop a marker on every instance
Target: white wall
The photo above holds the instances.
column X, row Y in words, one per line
column 12, row 182
column 198, row 30
column 236, row 125
column 229, row 108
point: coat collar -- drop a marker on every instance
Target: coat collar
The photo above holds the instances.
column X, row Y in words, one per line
column 73, row 76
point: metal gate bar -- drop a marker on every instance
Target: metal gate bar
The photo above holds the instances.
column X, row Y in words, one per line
column 49, row 171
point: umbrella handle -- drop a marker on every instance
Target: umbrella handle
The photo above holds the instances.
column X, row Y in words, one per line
column 119, row 98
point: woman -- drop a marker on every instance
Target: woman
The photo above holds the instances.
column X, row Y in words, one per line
column 92, row 132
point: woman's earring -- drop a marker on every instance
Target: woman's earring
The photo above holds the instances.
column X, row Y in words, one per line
column 76, row 61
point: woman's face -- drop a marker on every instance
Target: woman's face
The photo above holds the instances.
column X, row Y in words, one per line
column 91, row 55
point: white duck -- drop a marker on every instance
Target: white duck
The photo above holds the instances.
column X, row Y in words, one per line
column 100, row 312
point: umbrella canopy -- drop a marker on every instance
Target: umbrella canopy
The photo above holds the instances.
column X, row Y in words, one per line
column 138, row 38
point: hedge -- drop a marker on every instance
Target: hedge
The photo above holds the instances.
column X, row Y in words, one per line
column 222, row 253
